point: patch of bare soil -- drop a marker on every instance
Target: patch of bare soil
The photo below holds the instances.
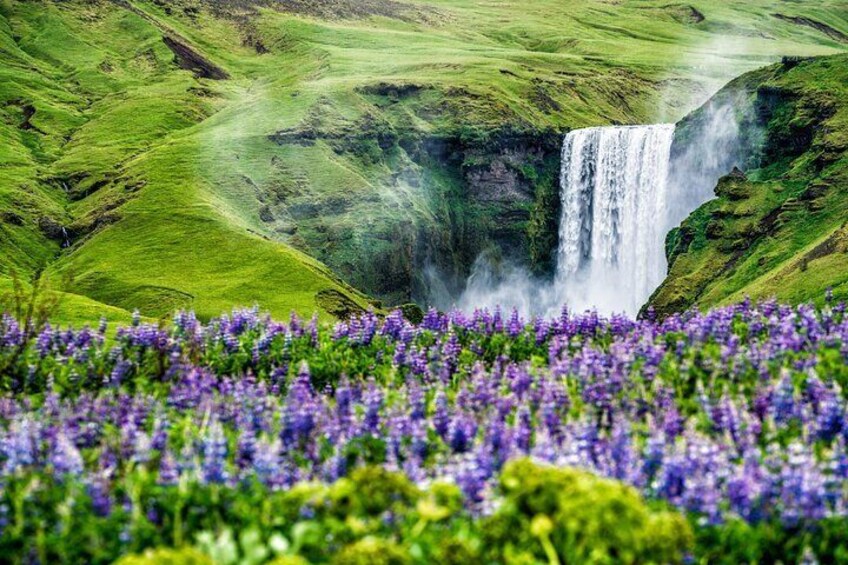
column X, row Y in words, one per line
column 829, row 31
column 190, row 60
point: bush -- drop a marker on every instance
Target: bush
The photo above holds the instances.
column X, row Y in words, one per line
column 165, row 556
column 371, row 491
column 372, row 551
column 570, row 516
column 737, row 541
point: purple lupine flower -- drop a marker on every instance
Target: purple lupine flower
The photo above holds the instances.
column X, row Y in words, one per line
column 373, row 405
column 101, row 497
column 461, row 432
column 523, row 430
column 612, row 395
column 65, row 458
column 514, row 326
column 214, row 451
column 20, row 445
column 169, row 473
column 441, row 416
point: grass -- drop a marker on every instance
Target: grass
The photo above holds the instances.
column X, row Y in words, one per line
column 173, row 195
column 784, row 235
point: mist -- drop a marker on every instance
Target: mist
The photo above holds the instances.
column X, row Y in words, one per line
column 611, row 253
column 716, row 135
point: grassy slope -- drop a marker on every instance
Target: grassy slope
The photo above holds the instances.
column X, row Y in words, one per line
column 119, row 129
column 167, row 175
column 782, row 231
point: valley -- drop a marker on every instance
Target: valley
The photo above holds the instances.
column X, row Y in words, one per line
column 308, row 152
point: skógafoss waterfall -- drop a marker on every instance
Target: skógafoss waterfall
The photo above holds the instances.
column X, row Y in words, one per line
column 621, row 193
column 615, row 199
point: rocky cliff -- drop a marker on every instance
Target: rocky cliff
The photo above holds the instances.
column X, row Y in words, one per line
column 778, row 228
column 437, row 202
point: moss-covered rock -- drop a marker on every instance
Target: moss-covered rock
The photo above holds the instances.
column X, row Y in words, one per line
column 769, row 232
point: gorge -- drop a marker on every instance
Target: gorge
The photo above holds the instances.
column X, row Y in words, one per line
column 621, row 190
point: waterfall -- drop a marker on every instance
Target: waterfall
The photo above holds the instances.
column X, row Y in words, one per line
column 621, row 193
column 615, row 215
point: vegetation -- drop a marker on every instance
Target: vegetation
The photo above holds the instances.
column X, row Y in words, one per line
column 779, row 229
column 147, row 168
column 718, row 436
column 169, row 160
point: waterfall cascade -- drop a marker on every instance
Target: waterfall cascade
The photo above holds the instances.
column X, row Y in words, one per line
column 615, row 215
column 621, row 193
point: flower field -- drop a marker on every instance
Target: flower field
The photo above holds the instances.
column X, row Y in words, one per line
column 717, row 436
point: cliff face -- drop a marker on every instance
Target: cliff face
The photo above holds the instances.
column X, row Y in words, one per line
column 436, row 203
column 778, row 229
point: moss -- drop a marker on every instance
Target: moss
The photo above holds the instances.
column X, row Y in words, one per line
column 772, row 234
column 543, row 227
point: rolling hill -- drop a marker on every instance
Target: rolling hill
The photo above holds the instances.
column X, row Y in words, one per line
column 160, row 155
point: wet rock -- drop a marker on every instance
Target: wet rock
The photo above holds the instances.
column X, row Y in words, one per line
column 51, row 228
column 497, row 183
column 737, row 173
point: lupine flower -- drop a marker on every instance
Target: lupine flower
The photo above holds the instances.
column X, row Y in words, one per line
column 688, row 409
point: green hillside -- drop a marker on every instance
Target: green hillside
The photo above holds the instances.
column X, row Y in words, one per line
column 779, row 230
column 204, row 154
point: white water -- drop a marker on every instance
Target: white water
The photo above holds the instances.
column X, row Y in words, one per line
column 615, row 199
column 617, row 206
column 621, row 193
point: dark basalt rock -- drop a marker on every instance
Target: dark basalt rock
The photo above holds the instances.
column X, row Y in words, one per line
column 51, row 228
column 9, row 217
column 738, row 174
column 829, row 31
column 26, row 124
column 190, row 60
column 294, row 136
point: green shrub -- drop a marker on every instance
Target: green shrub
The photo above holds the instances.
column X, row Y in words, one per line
column 372, row 551
column 737, row 541
column 370, row 491
column 167, row 556
column 570, row 516
column 544, row 515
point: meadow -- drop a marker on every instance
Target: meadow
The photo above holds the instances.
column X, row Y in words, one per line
column 713, row 437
